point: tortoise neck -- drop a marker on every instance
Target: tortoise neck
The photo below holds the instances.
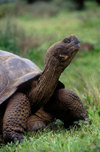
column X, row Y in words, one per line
column 45, row 86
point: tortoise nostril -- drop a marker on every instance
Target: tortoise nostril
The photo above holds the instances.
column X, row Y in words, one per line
column 67, row 40
column 77, row 41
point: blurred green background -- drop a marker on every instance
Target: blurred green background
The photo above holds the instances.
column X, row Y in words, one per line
column 29, row 28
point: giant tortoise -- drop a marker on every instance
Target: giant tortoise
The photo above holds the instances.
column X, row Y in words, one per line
column 31, row 98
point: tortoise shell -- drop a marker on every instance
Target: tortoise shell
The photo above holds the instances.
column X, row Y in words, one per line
column 14, row 71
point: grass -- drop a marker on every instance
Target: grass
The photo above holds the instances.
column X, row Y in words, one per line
column 82, row 76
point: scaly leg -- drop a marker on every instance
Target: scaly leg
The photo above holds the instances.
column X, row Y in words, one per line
column 66, row 106
column 15, row 117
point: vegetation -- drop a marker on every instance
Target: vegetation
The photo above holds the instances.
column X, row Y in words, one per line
column 30, row 36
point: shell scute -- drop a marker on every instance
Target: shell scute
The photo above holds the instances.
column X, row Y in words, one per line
column 14, row 71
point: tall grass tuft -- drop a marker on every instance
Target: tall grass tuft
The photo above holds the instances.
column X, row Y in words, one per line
column 14, row 39
column 8, row 39
column 90, row 89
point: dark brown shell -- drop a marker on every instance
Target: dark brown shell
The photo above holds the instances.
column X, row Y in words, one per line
column 14, row 71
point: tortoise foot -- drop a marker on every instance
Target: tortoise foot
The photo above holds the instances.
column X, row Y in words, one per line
column 13, row 137
column 39, row 120
column 18, row 137
column 35, row 126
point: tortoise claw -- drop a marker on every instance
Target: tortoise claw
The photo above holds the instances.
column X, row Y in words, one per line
column 18, row 137
column 13, row 137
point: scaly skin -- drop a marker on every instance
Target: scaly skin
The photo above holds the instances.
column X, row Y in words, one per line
column 15, row 117
column 64, row 105
column 39, row 120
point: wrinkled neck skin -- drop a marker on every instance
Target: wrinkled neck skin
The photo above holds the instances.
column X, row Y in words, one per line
column 45, row 85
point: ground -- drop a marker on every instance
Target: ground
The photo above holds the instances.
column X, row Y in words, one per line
column 82, row 76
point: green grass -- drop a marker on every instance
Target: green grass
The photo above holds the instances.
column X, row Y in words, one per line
column 82, row 76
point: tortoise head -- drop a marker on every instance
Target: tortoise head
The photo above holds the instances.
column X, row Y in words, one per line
column 62, row 52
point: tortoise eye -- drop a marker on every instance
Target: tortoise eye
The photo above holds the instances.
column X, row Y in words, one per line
column 67, row 40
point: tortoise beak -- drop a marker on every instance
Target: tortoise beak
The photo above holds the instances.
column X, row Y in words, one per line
column 76, row 41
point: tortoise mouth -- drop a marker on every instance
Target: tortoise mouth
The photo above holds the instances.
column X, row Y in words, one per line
column 73, row 48
column 76, row 41
column 70, row 49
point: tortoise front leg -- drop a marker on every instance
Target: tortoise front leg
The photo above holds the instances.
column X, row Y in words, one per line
column 39, row 120
column 66, row 106
column 15, row 117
